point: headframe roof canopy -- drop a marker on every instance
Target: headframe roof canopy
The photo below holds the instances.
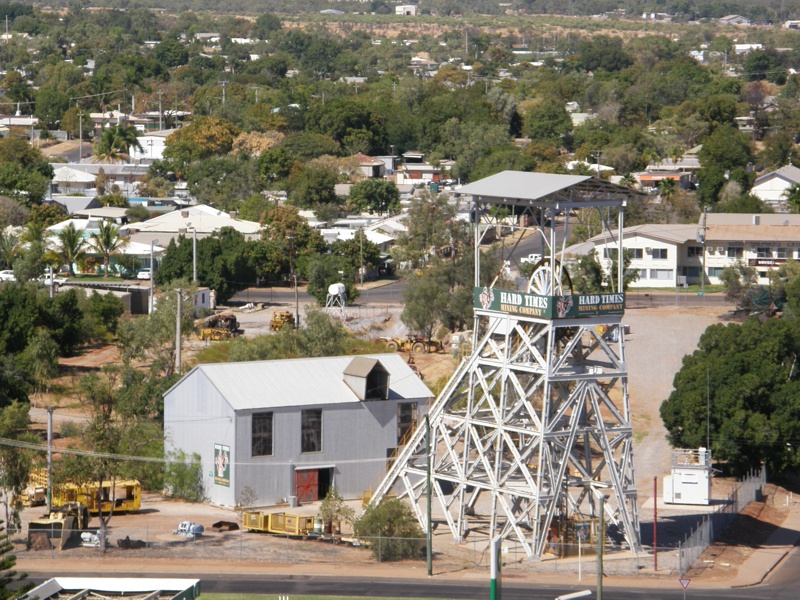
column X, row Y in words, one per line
column 547, row 190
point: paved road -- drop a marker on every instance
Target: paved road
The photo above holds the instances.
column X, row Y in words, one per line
column 317, row 585
column 385, row 294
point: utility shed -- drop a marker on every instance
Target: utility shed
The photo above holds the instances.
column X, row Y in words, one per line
column 289, row 430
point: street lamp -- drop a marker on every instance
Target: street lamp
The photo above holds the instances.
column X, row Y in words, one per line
column 290, row 237
column 701, row 237
column 194, row 252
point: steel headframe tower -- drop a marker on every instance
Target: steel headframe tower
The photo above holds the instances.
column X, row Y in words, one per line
column 536, row 420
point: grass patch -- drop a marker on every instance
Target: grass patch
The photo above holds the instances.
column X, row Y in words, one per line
column 215, row 352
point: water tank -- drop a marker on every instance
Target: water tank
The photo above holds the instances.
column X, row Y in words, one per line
column 336, row 289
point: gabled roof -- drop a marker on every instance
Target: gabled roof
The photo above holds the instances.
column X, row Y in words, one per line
column 68, row 175
column 365, row 160
column 204, row 219
column 361, row 366
column 789, row 173
column 301, row 381
column 670, row 234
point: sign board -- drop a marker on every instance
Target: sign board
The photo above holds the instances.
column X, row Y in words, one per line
column 571, row 306
column 582, row 529
column 685, row 583
column 222, row 465
column 766, row 262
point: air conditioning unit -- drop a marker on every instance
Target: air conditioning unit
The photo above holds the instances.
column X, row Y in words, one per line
column 721, row 249
column 648, row 250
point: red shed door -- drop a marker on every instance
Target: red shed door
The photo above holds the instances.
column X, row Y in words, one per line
column 307, row 485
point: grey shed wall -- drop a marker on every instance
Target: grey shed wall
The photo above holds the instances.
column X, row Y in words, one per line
column 355, row 439
column 196, row 417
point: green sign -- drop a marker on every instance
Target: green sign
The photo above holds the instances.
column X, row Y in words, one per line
column 571, row 306
column 222, row 465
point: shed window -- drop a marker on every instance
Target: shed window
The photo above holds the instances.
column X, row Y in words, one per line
column 406, row 420
column 311, row 438
column 261, row 443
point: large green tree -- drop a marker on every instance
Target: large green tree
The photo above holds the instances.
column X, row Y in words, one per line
column 374, row 196
column 741, row 383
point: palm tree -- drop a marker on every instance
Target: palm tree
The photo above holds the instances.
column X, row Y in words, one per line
column 107, row 242
column 72, row 244
column 792, row 196
column 666, row 188
column 9, row 247
column 114, row 143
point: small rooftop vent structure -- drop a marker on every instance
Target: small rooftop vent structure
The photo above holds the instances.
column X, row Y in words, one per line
column 690, row 480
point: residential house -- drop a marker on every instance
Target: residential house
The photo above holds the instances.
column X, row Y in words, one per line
column 269, row 427
column 415, row 170
column 734, row 20
column 373, row 168
column 672, row 255
column 200, row 221
column 153, row 144
column 771, row 187
column 406, row 10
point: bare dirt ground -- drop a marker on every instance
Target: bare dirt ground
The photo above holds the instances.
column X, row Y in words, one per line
column 660, row 337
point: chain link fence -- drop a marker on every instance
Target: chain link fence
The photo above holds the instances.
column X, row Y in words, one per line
column 713, row 525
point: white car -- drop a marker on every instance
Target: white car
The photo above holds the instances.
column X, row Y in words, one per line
column 143, row 274
column 531, row 259
column 7, row 276
column 47, row 280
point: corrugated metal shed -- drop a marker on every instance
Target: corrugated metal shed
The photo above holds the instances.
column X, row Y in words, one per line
column 302, row 381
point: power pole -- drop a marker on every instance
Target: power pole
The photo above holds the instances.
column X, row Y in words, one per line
column 178, row 334
column 223, row 84
column 160, row 111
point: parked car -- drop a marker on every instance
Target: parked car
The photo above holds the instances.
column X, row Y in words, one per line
column 531, row 258
column 143, row 274
column 7, row 276
column 47, row 280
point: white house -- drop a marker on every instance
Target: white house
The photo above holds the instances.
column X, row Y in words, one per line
column 771, row 187
column 662, row 254
column 153, row 144
column 406, row 10
column 667, row 256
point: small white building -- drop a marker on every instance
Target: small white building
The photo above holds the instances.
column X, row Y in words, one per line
column 689, row 482
column 153, row 144
column 406, row 10
column 771, row 187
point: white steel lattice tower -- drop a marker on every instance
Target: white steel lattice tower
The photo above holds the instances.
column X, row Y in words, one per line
column 534, row 427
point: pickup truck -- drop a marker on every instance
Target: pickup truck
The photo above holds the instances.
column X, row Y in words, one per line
column 46, row 280
column 530, row 259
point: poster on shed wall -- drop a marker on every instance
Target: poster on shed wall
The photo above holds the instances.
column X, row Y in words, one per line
column 222, row 465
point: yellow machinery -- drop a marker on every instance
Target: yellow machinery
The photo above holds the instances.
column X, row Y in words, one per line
column 58, row 527
column 280, row 318
column 218, row 327
column 413, row 344
column 279, row 523
column 123, row 496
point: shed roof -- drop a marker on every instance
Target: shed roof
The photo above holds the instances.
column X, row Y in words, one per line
column 302, row 381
